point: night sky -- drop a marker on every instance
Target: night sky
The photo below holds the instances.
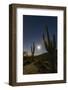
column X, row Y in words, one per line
column 33, row 28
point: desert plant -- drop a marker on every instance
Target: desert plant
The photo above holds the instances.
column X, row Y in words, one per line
column 33, row 50
column 50, row 46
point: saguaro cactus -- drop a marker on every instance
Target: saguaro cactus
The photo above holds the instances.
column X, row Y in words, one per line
column 50, row 46
column 33, row 50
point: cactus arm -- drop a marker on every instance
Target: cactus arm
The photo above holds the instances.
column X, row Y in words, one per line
column 47, row 33
column 45, row 43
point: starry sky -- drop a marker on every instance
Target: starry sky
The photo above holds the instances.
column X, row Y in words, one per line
column 33, row 28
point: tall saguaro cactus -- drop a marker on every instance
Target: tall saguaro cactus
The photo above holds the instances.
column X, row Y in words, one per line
column 33, row 50
column 50, row 46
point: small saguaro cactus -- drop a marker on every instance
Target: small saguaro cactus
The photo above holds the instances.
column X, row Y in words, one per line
column 33, row 50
